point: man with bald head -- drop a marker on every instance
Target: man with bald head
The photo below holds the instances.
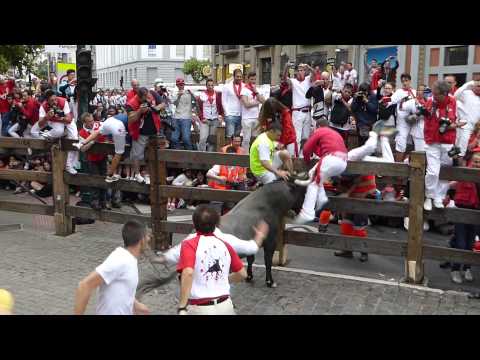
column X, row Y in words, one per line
column 133, row 91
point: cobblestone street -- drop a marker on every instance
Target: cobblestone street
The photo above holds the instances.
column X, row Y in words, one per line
column 42, row 271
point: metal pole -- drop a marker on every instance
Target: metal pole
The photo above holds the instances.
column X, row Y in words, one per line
column 82, row 96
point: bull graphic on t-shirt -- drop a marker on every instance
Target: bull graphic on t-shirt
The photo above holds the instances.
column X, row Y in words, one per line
column 214, row 270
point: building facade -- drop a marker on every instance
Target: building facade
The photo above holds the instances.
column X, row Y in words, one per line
column 426, row 63
column 144, row 63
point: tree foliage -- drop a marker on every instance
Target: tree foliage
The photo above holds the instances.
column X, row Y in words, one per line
column 21, row 57
column 194, row 67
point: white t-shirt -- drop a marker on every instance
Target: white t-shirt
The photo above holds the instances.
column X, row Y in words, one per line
column 299, row 90
column 252, row 112
column 338, row 81
column 112, row 126
column 397, row 98
column 230, row 102
column 350, row 76
column 120, row 274
column 42, row 113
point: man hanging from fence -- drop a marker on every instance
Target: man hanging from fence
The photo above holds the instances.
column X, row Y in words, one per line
column 56, row 113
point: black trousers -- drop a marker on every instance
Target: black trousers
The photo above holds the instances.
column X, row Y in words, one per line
column 98, row 168
column 464, row 239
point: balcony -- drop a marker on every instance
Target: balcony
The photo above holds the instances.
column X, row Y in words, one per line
column 229, row 49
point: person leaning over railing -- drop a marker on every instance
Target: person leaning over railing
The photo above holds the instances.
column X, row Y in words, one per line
column 467, row 196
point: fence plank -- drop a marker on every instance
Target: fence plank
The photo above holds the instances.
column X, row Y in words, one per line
column 176, row 227
column 99, row 182
column 196, row 193
column 26, row 175
column 61, row 194
column 414, row 264
column 116, row 217
column 382, row 169
column 342, row 242
column 26, row 208
column 97, row 148
column 459, row 174
column 454, row 215
column 453, row 255
column 200, row 157
column 368, row 206
column 23, row 143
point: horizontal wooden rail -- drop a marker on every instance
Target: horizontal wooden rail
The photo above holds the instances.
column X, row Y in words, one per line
column 116, row 217
column 342, row 242
column 26, row 208
column 459, row 174
column 99, row 182
column 176, row 227
column 200, row 157
column 26, row 175
column 454, row 215
column 441, row 253
column 24, row 143
column 368, row 206
column 196, row 193
column 97, row 148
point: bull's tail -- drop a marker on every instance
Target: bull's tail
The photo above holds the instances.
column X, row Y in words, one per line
column 152, row 282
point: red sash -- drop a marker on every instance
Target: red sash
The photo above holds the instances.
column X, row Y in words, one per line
column 211, row 96
column 250, row 87
column 237, row 89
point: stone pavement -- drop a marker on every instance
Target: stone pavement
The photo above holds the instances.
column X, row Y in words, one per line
column 43, row 270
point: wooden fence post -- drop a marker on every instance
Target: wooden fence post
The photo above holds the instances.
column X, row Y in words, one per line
column 61, row 193
column 414, row 271
column 158, row 176
column 220, row 138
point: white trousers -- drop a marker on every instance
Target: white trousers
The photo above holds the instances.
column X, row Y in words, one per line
column 463, row 135
column 248, row 129
column 404, row 130
column 316, row 197
column 206, row 129
column 301, row 123
column 437, row 155
column 224, row 308
column 59, row 130
column 14, row 128
column 363, row 152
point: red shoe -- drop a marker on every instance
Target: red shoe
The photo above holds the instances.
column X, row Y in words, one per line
column 346, row 228
column 359, row 232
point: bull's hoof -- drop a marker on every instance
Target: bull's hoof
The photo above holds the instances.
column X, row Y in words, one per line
column 271, row 284
column 249, row 279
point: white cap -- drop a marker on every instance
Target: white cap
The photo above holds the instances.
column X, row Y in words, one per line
column 158, row 81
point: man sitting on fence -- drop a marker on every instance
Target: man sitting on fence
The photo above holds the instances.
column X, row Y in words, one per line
column 112, row 126
column 56, row 113
column 267, row 159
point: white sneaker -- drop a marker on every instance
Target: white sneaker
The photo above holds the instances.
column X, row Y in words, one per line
column 456, row 277
column 181, row 202
column 451, row 204
column 438, row 204
column 468, row 275
column 147, row 179
column 114, row 177
column 71, row 170
column 406, row 222
column 426, row 226
column 427, row 205
column 139, row 178
column 191, row 207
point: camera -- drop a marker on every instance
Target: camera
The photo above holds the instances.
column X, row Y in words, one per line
column 454, row 151
column 411, row 119
column 57, row 112
column 420, row 109
column 444, row 124
column 360, row 95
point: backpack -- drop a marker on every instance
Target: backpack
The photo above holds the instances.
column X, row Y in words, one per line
column 339, row 114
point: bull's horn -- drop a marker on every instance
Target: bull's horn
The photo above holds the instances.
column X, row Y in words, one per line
column 303, row 182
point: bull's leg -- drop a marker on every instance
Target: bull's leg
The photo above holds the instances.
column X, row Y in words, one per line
column 268, row 256
column 250, row 260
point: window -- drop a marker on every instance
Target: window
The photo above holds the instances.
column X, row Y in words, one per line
column 206, row 51
column 456, row 55
column 180, row 51
column 217, row 49
column 266, row 71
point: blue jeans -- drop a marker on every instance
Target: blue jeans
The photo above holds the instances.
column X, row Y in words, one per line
column 464, row 240
column 233, row 125
column 183, row 127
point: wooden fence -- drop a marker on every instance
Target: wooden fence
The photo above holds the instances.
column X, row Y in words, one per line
column 159, row 158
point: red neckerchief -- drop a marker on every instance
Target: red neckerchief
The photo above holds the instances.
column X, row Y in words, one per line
column 211, row 96
column 250, row 87
column 237, row 89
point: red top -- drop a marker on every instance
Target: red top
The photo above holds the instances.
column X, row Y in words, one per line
column 377, row 75
column 323, row 141
column 447, row 108
column 61, row 104
column 134, row 128
column 288, row 133
column 30, row 110
column 101, row 138
column 130, row 94
column 4, row 107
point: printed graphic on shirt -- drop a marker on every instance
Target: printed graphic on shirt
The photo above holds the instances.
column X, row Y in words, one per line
column 212, row 265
